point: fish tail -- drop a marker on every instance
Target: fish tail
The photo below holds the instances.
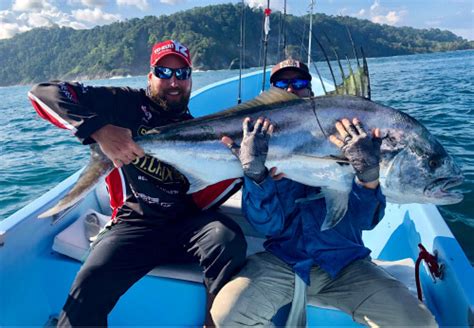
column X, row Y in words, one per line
column 99, row 167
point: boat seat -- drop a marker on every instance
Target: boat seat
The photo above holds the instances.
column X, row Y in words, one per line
column 73, row 242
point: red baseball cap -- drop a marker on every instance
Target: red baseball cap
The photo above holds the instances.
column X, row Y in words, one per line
column 169, row 47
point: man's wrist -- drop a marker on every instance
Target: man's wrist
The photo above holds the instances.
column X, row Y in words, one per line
column 369, row 175
column 98, row 133
column 369, row 185
column 257, row 177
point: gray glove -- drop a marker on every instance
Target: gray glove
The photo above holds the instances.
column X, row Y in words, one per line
column 363, row 152
column 252, row 153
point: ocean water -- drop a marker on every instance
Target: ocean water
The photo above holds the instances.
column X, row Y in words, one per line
column 437, row 89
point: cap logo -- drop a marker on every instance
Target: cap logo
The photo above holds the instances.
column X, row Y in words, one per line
column 166, row 46
column 289, row 63
column 180, row 48
column 176, row 46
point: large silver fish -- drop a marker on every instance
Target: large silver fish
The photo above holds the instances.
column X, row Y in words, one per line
column 414, row 167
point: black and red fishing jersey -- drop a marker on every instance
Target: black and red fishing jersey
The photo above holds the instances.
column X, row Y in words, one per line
column 147, row 189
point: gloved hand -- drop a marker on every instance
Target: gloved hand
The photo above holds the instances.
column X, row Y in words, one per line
column 252, row 153
column 362, row 150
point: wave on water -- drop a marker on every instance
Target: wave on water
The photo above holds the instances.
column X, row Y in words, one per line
column 117, row 77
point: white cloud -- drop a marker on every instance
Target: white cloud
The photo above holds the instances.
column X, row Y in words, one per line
column 13, row 22
column 7, row 30
column 6, row 16
column 140, row 4
column 29, row 5
column 96, row 16
column 94, row 3
column 274, row 5
column 375, row 5
column 38, row 19
column 256, row 3
column 379, row 14
column 361, row 12
column 172, row 2
column 391, row 18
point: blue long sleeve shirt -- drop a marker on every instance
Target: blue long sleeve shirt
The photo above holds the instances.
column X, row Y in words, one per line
column 293, row 229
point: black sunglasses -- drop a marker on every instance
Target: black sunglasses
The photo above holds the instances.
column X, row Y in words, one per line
column 166, row 73
column 297, row 84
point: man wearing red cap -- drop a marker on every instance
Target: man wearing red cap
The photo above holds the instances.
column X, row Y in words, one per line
column 154, row 220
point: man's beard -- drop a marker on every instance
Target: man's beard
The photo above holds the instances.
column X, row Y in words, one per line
column 173, row 107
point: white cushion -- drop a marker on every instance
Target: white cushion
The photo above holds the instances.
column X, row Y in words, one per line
column 73, row 242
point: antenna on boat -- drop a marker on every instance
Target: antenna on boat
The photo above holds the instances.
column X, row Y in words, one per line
column 311, row 6
column 239, row 96
column 266, row 28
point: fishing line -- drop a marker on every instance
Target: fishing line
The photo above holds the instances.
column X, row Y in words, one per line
column 313, row 106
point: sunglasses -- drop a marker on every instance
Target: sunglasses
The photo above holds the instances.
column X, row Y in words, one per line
column 166, row 73
column 297, row 84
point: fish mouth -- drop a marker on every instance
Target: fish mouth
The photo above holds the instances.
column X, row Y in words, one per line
column 438, row 190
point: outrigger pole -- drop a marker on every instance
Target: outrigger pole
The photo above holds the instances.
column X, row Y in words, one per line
column 282, row 35
column 311, row 6
column 266, row 28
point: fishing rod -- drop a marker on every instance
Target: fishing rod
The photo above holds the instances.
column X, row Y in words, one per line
column 239, row 96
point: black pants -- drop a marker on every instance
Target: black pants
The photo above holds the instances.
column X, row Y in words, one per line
column 126, row 252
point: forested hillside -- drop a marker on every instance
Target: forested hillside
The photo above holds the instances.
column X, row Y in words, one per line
column 213, row 35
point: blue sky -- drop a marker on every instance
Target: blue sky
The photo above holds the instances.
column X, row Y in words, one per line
column 21, row 15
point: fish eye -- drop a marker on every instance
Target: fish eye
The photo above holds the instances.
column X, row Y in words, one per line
column 433, row 163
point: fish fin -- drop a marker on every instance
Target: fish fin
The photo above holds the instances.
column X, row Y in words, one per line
column 98, row 167
column 269, row 97
column 365, row 76
column 195, row 183
column 357, row 83
column 336, row 207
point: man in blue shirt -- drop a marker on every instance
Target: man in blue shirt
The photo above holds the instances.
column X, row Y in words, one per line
column 334, row 264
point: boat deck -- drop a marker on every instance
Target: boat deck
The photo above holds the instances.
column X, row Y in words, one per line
column 176, row 286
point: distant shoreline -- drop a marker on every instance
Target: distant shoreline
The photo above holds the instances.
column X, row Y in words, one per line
column 114, row 77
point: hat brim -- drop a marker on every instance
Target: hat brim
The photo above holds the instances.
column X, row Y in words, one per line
column 275, row 75
column 186, row 60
